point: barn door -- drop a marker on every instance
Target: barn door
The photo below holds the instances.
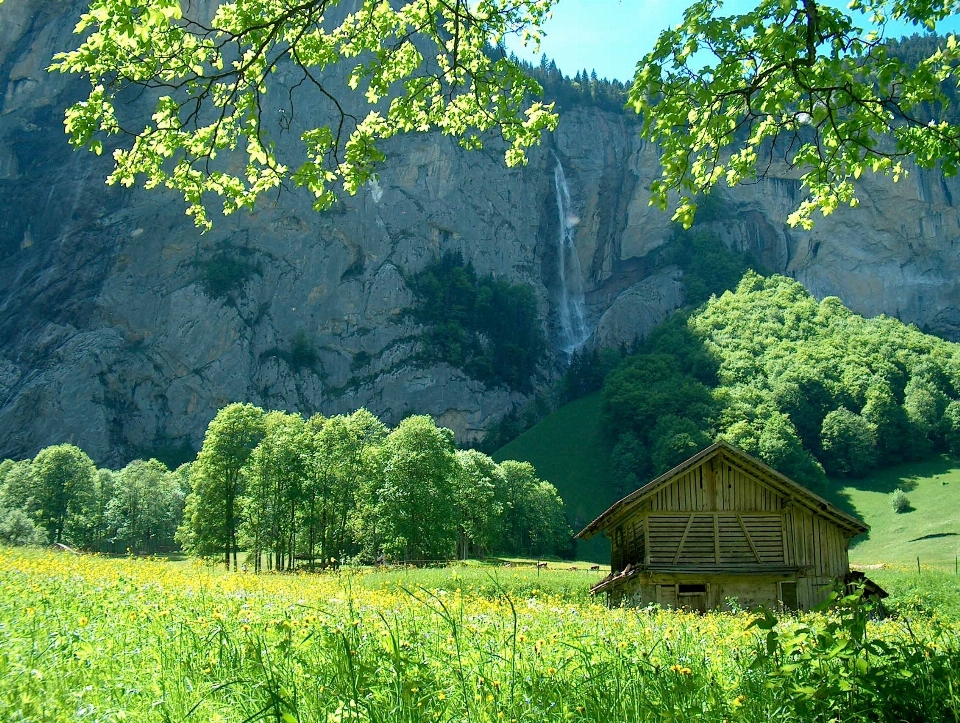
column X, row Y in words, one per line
column 692, row 597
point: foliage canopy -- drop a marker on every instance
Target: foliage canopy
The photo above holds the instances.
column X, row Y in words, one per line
column 417, row 65
column 805, row 385
column 796, row 82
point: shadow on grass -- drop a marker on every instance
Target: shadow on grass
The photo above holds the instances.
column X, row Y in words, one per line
column 936, row 536
column 884, row 481
column 840, row 499
column 903, row 476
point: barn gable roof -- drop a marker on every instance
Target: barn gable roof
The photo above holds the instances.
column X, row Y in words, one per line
column 766, row 474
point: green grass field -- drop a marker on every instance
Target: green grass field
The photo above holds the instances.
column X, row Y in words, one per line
column 568, row 450
column 930, row 530
column 84, row 637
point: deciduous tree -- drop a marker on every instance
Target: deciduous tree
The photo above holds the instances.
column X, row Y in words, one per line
column 795, row 82
column 415, row 511
column 478, row 496
column 217, row 476
column 417, row 66
column 849, row 444
column 146, row 506
column 63, row 476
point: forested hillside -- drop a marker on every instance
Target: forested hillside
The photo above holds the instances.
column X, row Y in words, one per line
column 807, row 386
column 811, row 388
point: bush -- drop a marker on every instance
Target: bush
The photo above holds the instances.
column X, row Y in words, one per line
column 226, row 272
column 16, row 528
column 899, row 501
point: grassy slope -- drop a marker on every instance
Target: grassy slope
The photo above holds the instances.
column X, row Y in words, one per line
column 930, row 530
column 568, row 450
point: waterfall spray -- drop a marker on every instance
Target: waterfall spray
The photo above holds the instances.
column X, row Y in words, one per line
column 573, row 329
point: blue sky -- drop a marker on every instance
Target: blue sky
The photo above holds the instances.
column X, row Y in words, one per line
column 609, row 36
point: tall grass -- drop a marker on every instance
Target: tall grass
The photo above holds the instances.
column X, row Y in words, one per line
column 86, row 638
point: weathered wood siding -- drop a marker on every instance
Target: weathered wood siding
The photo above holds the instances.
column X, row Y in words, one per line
column 819, row 547
column 627, row 543
column 717, row 520
column 716, row 485
column 749, row 592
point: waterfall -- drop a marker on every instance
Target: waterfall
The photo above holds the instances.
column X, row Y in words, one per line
column 573, row 329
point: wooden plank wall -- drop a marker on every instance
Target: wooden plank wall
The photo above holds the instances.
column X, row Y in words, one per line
column 766, row 531
column 698, row 548
column 689, row 492
column 701, row 535
column 740, row 491
column 666, row 531
column 726, row 488
column 627, row 544
column 819, row 546
column 712, row 509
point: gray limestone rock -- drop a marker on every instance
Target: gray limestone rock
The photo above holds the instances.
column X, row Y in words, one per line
column 112, row 337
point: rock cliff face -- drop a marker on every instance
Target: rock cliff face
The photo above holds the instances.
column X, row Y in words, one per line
column 123, row 330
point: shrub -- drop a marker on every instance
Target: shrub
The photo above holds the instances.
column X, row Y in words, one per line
column 16, row 528
column 226, row 272
column 899, row 501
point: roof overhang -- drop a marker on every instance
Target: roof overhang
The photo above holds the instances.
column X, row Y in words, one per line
column 707, row 573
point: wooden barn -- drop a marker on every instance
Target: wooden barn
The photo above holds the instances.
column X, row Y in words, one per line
column 723, row 525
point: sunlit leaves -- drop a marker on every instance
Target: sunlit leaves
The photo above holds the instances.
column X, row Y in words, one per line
column 420, row 66
column 798, row 85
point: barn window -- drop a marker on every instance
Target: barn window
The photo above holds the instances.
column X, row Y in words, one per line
column 788, row 595
column 692, row 589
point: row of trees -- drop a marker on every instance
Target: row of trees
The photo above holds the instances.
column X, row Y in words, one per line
column 61, row 497
column 285, row 488
column 809, row 387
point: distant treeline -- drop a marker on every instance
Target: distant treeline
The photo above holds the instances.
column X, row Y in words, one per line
column 584, row 88
column 294, row 492
column 61, row 497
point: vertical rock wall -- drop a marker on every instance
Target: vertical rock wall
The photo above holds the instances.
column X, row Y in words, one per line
column 111, row 337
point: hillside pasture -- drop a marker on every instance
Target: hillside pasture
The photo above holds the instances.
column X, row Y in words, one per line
column 930, row 529
column 568, row 449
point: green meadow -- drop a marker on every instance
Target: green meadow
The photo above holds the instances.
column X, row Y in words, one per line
column 928, row 530
column 88, row 638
